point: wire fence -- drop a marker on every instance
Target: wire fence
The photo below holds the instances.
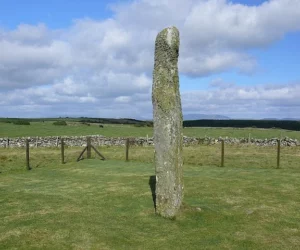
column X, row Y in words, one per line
column 219, row 155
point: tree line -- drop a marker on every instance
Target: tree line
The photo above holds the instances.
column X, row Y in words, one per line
column 282, row 124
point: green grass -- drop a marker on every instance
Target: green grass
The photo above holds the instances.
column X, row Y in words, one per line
column 97, row 204
column 94, row 204
column 241, row 133
column 236, row 156
column 73, row 129
column 76, row 129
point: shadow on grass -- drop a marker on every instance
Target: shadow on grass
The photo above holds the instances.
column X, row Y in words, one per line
column 152, row 184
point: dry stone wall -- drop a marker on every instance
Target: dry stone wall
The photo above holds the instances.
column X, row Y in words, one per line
column 99, row 140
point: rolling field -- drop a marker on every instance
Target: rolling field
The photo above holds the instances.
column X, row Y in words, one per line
column 75, row 129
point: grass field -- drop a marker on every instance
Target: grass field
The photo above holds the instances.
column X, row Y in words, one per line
column 75, row 128
column 94, row 204
column 236, row 156
column 97, row 204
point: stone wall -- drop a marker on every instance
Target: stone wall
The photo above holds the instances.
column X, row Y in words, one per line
column 98, row 140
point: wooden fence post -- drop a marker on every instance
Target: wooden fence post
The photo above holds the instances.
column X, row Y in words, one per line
column 36, row 142
column 62, row 145
column 278, row 153
column 27, row 154
column 222, row 153
column 280, row 135
column 103, row 158
column 88, row 152
column 127, row 149
column 7, row 144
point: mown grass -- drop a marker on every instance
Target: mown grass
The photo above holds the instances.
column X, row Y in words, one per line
column 95, row 204
column 76, row 129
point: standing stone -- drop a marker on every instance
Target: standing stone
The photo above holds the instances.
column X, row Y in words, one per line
column 167, row 118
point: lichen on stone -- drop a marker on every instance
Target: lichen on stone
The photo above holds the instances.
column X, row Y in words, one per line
column 167, row 117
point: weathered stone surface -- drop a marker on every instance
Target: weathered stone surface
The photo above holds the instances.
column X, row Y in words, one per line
column 167, row 118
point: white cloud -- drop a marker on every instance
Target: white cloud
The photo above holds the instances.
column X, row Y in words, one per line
column 29, row 57
column 123, row 99
column 245, row 102
column 218, row 24
column 30, row 34
column 109, row 62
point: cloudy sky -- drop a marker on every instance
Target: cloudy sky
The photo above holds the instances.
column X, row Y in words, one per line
column 95, row 58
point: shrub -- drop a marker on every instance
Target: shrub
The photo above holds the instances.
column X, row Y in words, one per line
column 101, row 126
column 21, row 122
column 60, row 123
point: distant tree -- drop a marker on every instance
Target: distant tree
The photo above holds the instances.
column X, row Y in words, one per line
column 60, row 123
column 21, row 122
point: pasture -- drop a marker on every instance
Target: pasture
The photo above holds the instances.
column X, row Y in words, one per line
column 97, row 204
column 114, row 130
column 94, row 204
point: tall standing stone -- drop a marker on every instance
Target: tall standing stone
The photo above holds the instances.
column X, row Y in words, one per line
column 167, row 117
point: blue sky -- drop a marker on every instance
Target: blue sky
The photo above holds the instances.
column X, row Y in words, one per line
column 56, row 14
column 61, row 58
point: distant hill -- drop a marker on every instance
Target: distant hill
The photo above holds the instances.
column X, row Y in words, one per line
column 190, row 117
column 290, row 119
column 281, row 119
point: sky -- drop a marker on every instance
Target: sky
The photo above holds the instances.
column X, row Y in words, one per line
column 94, row 58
